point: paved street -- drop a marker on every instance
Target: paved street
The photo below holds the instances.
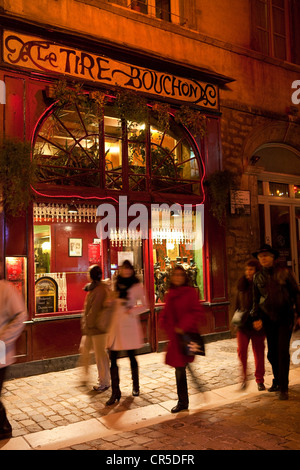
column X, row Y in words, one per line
column 55, row 411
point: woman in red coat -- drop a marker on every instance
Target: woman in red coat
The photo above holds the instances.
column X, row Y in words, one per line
column 182, row 313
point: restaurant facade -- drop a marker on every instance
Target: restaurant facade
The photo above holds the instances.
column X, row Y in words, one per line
column 89, row 162
column 131, row 109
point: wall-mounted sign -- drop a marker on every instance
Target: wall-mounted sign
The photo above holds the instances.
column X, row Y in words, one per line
column 94, row 251
column 46, row 295
column 35, row 53
column 240, row 202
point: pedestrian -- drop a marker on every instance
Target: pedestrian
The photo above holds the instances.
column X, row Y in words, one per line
column 182, row 314
column 126, row 331
column 275, row 295
column 94, row 327
column 246, row 331
column 13, row 314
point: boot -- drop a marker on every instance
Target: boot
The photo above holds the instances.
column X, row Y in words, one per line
column 116, row 392
column 5, row 427
column 135, row 381
column 182, row 391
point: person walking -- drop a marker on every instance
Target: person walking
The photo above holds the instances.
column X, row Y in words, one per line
column 275, row 295
column 126, row 331
column 94, row 327
column 13, row 314
column 246, row 331
column 182, row 314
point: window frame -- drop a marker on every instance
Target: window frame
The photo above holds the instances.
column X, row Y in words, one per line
column 269, row 30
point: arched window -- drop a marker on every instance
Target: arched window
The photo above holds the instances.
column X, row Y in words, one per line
column 74, row 147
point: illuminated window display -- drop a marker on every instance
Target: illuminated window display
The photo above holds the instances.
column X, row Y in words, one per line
column 74, row 149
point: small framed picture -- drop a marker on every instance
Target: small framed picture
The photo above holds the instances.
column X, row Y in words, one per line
column 75, row 246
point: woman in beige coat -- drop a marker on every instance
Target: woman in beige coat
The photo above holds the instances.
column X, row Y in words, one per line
column 94, row 328
column 126, row 331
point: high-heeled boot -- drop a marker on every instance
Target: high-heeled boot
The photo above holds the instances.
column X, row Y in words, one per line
column 116, row 392
column 135, row 381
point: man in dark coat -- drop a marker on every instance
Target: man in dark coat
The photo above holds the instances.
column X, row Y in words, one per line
column 276, row 298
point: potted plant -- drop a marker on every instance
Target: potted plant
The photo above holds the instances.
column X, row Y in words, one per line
column 219, row 185
column 17, row 174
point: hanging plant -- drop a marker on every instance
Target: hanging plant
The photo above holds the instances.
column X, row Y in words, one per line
column 98, row 100
column 17, row 174
column 193, row 120
column 66, row 95
column 219, row 185
column 162, row 115
column 131, row 107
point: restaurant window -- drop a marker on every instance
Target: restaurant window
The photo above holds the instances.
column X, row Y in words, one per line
column 278, row 189
column 177, row 240
column 74, row 151
column 270, row 26
column 65, row 245
column 74, row 148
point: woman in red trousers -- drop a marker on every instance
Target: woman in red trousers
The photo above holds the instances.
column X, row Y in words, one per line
column 247, row 332
column 182, row 313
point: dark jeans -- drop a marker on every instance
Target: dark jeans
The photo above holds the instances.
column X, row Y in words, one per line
column 278, row 339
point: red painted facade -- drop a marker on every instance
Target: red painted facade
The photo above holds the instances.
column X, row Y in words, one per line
column 57, row 335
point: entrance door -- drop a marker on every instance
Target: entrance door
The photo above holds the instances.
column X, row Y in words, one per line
column 297, row 241
column 282, row 231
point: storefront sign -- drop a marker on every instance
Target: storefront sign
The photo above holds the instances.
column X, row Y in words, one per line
column 46, row 56
column 46, row 295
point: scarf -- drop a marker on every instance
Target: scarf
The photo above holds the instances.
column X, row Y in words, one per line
column 123, row 284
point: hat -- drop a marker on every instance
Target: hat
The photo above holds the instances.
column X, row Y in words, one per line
column 266, row 249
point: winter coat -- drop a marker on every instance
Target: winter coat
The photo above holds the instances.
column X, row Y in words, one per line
column 125, row 332
column 275, row 295
column 182, row 310
column 95, row 303
column 13, row 314
column 244, row 302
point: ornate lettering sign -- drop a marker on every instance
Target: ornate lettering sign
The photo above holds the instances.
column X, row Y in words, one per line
column 48, row 57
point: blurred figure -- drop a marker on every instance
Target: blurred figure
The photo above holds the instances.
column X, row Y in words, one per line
column 94, row 328
column 182, row 313
column 126, row 331
column 246, row 332
column 275, row 296
column 12, row 317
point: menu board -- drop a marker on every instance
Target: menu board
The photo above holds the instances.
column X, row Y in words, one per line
column 94, row 250
column 46, row 295
column 16, row 273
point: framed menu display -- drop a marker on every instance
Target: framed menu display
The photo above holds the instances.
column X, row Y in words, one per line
column 16, row 273
column 46, row 295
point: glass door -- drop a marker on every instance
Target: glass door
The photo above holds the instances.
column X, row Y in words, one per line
column 280, row 221
column 297, row 243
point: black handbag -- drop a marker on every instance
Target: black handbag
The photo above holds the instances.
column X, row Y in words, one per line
column 192, row 344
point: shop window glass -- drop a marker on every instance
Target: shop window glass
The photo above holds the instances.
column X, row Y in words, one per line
column 65, row 246
column 74, row 148
column 113, row 153
column 279, row 189
column 297, row 192
column 177, row 241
